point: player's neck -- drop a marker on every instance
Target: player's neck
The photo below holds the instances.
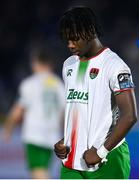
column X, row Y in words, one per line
column 43, row 69
column 94, row 50
column 96, row 46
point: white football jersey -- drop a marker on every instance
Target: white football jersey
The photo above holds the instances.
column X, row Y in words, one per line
column 42, row 96
column 91, row 111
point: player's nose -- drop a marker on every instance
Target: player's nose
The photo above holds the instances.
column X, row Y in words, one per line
column 71, row 44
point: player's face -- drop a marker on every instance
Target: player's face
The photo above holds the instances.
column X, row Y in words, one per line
column 80, row 47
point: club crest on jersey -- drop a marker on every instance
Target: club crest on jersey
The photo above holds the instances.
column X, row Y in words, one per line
column 93, row 73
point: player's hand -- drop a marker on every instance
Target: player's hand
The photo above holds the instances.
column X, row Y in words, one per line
column 6, row 135
column 91, row 158
column 61, row 150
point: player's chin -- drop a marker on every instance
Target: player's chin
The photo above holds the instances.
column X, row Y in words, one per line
column 76, row 53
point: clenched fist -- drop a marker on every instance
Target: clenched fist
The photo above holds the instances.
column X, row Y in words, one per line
column 61, row 150
column 91, row 158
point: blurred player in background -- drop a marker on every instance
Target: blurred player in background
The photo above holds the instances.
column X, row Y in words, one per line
column 100, row 103
column 40, row 105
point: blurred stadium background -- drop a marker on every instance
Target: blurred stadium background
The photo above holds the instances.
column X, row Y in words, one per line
column 24, row 23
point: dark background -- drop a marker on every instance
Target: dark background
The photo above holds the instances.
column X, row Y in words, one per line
column 25, row 23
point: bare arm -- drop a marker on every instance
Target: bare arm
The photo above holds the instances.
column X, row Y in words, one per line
column 15, row 115
column 128, row 116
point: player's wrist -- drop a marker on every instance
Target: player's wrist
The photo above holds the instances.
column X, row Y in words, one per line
column 102, row 152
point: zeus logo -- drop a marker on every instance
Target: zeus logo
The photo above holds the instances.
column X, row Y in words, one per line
column 77, row 95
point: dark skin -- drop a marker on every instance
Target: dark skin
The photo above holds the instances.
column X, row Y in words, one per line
column 127, row 106
column 125, row 101
column 85, row 48
column 61, row 150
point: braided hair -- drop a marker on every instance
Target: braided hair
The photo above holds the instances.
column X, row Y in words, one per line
column 79, row 22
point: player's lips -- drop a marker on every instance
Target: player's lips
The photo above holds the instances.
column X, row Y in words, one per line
column 75, row 52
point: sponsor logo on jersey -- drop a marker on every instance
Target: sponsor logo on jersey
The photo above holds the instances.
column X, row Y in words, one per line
column 124, row 80
column 69, row 72
column 78, row 95
column 93, row 73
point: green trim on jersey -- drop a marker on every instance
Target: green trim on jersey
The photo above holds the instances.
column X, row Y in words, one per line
column 82, row 70
column 116, row 93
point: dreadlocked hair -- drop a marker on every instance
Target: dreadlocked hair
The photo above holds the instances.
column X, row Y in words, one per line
column 79, row 22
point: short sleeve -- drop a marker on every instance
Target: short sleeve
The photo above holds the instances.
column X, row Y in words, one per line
column 63, row 72
column 22, row 97
column 121, row 79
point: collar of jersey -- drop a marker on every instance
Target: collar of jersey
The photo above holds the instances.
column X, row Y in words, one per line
column 95, row 55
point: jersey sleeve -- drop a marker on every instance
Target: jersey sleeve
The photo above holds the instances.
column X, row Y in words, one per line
column 63, row 72
column 22, row 95
column 121, row 79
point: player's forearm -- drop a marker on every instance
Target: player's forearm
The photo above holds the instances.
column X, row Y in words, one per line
column 123, row 126
column 13, row 118
column 10, row 124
